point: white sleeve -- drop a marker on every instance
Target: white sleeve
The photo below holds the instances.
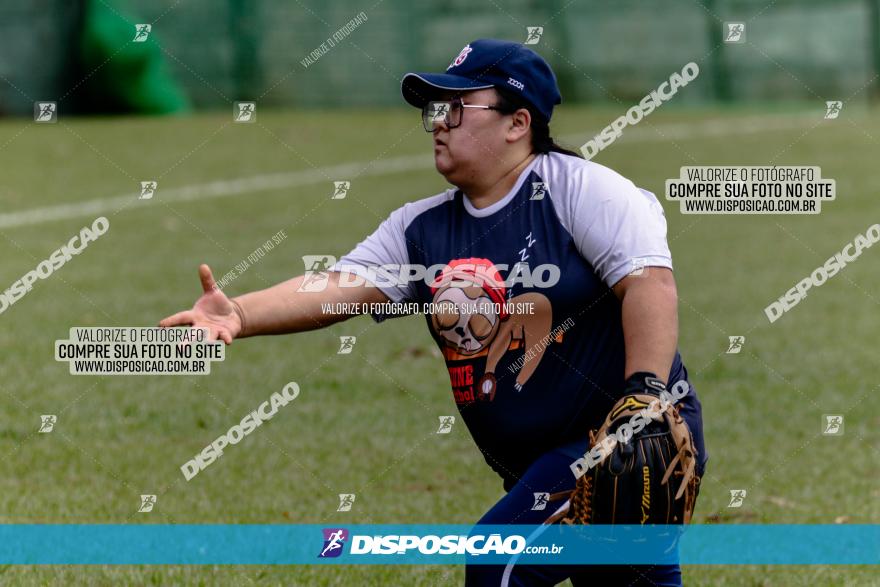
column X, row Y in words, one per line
column 378, row 259
column 614, row 223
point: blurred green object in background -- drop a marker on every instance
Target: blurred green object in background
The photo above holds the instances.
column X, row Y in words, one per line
column 119, row 74
column 81, row 53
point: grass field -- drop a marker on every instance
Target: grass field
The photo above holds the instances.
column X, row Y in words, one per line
column 365, row 422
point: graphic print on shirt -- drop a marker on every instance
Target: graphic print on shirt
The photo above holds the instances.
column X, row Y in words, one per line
column 590, row 223
column 471, row 319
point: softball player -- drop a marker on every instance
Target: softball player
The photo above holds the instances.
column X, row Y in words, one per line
column 552, row 298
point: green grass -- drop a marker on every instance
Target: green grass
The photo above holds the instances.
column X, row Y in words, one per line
column 365, row 422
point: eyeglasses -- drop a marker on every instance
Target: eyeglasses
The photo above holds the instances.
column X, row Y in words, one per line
column 449, row 113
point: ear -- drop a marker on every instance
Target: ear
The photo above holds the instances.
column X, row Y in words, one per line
column 520, row 123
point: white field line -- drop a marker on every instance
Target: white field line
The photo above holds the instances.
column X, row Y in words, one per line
column 276, row 181
column 646, row 133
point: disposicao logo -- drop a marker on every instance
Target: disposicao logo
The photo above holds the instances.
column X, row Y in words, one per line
column 334, row 541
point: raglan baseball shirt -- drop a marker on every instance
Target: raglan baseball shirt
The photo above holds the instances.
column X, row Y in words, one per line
column 520, row 303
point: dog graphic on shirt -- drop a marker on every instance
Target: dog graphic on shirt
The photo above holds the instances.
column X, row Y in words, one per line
column 471, row 319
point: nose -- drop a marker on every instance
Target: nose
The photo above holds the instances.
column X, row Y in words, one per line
column 459, row 331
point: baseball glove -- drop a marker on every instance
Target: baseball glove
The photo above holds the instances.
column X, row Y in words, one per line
column 641, row 465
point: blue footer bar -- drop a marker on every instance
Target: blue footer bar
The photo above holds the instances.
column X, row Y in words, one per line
column 438, row 544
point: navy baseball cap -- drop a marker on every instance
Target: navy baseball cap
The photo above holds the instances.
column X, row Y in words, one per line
column 488, row 63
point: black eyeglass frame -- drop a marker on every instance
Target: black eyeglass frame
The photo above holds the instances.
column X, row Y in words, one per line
column 430, row 112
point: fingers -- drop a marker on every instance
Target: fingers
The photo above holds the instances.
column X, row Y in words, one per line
column 219, row 334
column 180, row 319
column 208, row 283
column 225, row 336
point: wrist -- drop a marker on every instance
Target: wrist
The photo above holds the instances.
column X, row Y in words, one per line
column 643, row 382
column 239, row 311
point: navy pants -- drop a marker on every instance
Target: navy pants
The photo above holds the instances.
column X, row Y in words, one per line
column 551, row 474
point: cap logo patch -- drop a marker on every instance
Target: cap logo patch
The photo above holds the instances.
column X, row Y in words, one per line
column 461, row 57
column 515, row 83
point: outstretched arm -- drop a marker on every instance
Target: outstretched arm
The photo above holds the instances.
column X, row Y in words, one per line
column 279, row 309
column 282, row 309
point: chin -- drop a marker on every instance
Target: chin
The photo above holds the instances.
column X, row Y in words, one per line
column 444, row 166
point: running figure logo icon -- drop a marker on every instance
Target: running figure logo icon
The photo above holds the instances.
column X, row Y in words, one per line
column 148, row 188
column 736, row 344
column 340, row 189
column 141, row 32
column 147, row 503
column 316, row 276
column 737, row 497
column 833, row 425
column 346, row 500
column 346, row 344
column 736, row 32
column 832, row 109
column 439, row 111
column 539, row 190
column 446, row 423
column 541, row 499
column 45, row 112
column 534, row 35
column 47, row 423
column 334, row 541
column 245, row 111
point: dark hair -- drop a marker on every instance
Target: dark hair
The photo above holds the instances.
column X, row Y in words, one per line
column 542, row 142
